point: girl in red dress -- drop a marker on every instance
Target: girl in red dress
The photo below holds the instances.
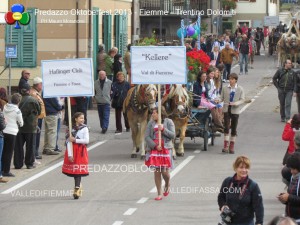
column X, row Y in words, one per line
column 76, row 158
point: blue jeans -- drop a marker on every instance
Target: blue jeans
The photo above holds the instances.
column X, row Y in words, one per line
column 243, row 58
column 285, row 100
column 226, row 72
column 38, row 137
column 103, row 113
column 1, row 149
column 57, row 135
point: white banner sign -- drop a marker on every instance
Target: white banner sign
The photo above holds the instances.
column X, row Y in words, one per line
column 67, row 77
column 271, row 21
column 158, row 65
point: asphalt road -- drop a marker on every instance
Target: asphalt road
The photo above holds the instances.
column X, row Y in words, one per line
column 119, row 189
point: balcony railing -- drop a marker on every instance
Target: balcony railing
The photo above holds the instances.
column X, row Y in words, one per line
column 175, row 7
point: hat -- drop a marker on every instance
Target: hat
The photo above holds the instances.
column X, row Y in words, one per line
column 37, row 80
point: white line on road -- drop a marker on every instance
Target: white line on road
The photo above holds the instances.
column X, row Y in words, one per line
column 118, row 223
column 253, row 100
column 142, row 200
column 197, row 151
column 177, row 169
column 38, row 175
column 130, row 211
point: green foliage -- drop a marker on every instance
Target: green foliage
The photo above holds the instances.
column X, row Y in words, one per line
column 231, row 4
column 148, row 41
column 204, row 27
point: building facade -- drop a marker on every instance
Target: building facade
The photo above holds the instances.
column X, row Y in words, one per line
column 62, row 30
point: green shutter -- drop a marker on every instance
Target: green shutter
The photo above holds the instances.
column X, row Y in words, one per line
column 121, row 33
column 107, row 31
column 25, row 38
column 95, row 39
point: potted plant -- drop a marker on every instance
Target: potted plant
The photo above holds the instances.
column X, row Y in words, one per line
column 228, row 4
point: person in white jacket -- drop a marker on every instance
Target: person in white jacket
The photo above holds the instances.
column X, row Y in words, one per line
column 14, row 119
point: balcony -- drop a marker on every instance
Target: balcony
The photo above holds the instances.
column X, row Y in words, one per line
column 173, row 7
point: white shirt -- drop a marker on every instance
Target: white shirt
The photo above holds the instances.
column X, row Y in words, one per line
column 82, row 137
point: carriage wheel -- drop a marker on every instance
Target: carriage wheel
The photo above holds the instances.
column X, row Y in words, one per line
column 212, row 136
column 205, row 138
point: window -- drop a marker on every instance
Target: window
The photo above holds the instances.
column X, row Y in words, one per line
column 26, row 41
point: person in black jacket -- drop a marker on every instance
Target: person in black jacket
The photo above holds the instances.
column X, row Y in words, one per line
column 242, row 195
column 292, row 198
column 119, row 91
column 23, row 80
column 297, row 89
column 285, row 81
column 117, row 66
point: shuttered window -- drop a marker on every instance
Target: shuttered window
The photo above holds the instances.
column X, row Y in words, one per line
column 25, row 38
column 106, row 28
column 121, row 33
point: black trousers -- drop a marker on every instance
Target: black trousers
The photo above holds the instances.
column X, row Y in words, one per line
column 29, row 139
column 8, row 149
column 230, row 122
column 226, row 71
column 118, row 114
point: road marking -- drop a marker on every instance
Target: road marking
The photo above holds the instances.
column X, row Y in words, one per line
column 38, row 175
column 130, row 211
column 235, row 66
column 176, row 170
column 253, row 100
column 142, row 200
column 118, row 223
column 197, row 151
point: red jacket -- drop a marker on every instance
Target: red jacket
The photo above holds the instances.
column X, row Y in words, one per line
column 288, row 135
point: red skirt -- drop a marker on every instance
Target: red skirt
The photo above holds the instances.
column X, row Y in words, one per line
column 159, row 159
column 80, row 164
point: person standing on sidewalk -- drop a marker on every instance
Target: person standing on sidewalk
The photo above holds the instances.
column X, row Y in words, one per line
column 102, row 97
column 242, row 195
column 2, row 127
column 35, row 92
column 76, row 158
column 52, row 107
column 30, row 109
column 119, row 91
column 285, row 81
column 244, row 50
column 23, row 80
column 14, row 119
column 227, row 55
column 233, row 96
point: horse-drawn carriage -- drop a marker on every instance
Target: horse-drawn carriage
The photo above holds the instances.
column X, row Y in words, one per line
column 188, row 122
column 200, row 125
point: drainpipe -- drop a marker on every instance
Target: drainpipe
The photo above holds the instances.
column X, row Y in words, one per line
column 267, row 7
column 77, row 30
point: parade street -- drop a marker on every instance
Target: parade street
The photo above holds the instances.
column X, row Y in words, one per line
column 120, row 190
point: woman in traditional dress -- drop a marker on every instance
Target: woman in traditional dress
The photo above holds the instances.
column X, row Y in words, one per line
column 158, row 156
column 76, row 158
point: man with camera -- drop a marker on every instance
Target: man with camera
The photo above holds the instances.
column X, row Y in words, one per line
column 240, row 198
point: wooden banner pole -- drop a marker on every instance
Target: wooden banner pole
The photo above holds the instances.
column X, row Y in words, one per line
column 70, row 120
column 159, row 114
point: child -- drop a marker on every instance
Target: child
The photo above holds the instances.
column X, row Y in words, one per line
column 233, row 96
column 76, row 158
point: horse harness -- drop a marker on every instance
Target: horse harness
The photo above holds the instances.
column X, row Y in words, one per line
column 135, row 105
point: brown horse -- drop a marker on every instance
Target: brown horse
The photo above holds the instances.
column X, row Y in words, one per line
column 137, row 104
column 177, row 108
